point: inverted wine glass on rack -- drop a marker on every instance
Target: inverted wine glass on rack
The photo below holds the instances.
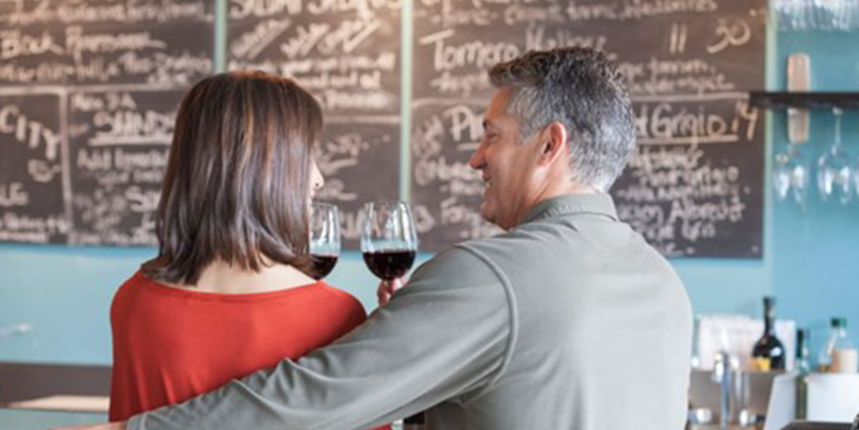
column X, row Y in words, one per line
column 324, row 238
column 827, row 15
column 856, row 177
column 389, row 240
column 790, row 175
column 834, row 169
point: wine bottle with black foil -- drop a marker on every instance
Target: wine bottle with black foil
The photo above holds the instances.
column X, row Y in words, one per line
column 768, row 352
column 803, row 369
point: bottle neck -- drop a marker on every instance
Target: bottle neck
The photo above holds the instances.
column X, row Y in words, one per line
column 801, row 348
column 769, row 322
column 769, row 316
column 839, row 332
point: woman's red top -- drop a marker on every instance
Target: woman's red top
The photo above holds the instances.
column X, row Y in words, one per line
column 171, row 344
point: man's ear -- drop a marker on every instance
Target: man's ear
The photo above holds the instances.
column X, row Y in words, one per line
column 553, row 141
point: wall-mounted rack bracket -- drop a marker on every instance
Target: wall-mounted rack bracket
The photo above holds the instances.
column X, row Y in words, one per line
column 798, row 80
column 804, row 101
column 799, row 99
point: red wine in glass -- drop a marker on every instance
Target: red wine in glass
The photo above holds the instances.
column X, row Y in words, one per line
column 322, row 265
column 389, row 265
column 324, row 241
column 389, row 240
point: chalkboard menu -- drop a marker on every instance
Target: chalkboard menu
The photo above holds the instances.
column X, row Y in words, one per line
column 347, row 54
column 89, row 90
column 695, row 187
column 88, row 95
column 32, row 194
column 120, row 141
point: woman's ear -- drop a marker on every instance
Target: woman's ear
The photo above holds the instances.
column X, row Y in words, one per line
column 554, row 143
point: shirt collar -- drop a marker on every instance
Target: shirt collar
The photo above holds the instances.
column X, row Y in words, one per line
column 568, row 204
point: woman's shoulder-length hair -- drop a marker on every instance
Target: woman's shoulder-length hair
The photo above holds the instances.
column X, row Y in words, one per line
column 238, row 177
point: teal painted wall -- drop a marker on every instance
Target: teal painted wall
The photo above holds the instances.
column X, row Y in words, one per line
column 809, row 260
column 65, row 293
column 816, row 251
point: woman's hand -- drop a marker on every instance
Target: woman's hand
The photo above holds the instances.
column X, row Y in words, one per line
column 386, row 289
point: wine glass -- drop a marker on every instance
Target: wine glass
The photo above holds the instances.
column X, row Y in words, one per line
column 389, row 240
column 324, row 238
column 856, row 177
column 834, row 171
column 791, row 14
column 840, row 11
column 790, row 175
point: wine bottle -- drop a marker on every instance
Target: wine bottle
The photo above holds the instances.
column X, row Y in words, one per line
column 803, row 369
column 768, row 352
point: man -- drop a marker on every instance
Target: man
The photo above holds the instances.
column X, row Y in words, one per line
column 569, row 320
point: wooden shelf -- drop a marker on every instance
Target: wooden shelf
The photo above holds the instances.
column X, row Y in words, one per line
column 807, row 100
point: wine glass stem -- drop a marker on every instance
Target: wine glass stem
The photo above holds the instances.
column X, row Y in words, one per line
column 837, row 112
column 389, row 286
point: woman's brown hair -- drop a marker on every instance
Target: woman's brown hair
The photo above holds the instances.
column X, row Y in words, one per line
column 237, row 181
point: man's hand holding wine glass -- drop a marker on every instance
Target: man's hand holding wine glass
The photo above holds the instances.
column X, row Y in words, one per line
column 387, row 289
column 389, row 243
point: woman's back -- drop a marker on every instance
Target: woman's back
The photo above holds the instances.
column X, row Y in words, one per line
column 233, row 294
column 171, row 344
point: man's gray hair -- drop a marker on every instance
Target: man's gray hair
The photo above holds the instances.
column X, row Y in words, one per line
column 581, row 89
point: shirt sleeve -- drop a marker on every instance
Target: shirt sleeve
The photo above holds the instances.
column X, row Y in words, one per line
column 445, row 334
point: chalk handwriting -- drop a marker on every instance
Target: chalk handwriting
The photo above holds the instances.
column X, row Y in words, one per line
column 28, row 131
column 730, row 33
column 13, row 194
column 26, row 13
column 250, row 44
column 240, row 9
column 476, row 53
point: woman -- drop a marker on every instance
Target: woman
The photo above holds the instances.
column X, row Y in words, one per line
column 229, row 292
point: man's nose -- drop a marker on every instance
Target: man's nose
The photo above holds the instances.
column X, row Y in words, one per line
column 477, row 161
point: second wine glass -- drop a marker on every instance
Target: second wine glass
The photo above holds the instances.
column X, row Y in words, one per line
column 324, row 238
column 790, row 175
column 834, row 170
column 389, row 240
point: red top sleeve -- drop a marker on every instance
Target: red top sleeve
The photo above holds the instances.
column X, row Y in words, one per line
column 171, row 344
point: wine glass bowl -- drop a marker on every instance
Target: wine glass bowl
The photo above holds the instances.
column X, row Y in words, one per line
column 324, row 240
column 389, row 265
column 834, row 177
column 388, row 239
column 790, row 175
column 781, row 176
column 828, row 15
column 834, row 170
column 856, row 177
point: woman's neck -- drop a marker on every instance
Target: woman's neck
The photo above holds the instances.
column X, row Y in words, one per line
column 220, row 277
